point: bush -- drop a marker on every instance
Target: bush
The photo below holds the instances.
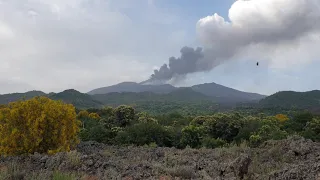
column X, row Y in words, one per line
column 213, row 143
column 200, row 120
column 298, row 122
column 83, row 114
column 312, row 130
column 250, row 126
column 145, row 133
column 145, row 118
column 271, row 131
column 282, row 118
column 38, row 125
column 94, row 116
column 96, row 133
column 94, row 130
column 224, row 126
column 255, row 140
column 192, row 136
column 124, row 115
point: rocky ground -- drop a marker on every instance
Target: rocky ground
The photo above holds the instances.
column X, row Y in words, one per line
column 293, row 158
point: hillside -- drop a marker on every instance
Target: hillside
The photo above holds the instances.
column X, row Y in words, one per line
column 133, row 87
column 76, row 98
column 208, row 95
column 7, row 98
column 71, row 96
column 219, row 93
column 178, row 95
column 290, row 99
column 217, row 90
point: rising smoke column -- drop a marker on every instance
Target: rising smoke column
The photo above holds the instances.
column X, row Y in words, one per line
column 177, row 67
column 271, row 24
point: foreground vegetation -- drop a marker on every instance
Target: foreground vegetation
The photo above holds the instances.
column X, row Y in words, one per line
column 47, row 126
column 38, row 125
column 129, row 144
column 124, row 126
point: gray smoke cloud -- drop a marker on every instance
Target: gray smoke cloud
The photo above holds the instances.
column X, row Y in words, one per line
column 275, row 29
column 178, row 67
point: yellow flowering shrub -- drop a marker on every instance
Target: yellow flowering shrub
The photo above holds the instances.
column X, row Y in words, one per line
column 282, row 118
column 83, row 114
column 38, row 125
column 94, row 116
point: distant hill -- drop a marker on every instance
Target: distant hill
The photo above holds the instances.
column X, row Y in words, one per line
column 76, row 98
column 187, row 94
column 7, row 98
column 290, row 99
column 133, row 87
column 204, row 96
column 71, row 96
column 178, row 95
column 218, row 92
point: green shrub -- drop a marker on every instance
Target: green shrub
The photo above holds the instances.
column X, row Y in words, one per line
column 145, row 133
column 213, row 143
column 255, row 140
column 124, row 115
column 192, row 136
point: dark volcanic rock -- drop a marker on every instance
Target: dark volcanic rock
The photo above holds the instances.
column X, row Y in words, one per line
column 293, row 158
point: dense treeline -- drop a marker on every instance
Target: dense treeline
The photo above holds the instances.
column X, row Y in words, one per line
column 47, row 126
column 124, row 126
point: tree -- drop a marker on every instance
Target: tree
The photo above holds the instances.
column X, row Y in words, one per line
column 298, row 122
column 94, row 116
column 271, row 129
column 223, row 126
column 107, row 111
column 200, row 120
column 255, row 140
column 145, row 117
column 38, row 125
column 145, row 133
column 192, row 136
column 97, row 133
column 124, row 115
column 83, row 114
column 281, row 118
column 312, row 130
column 250, row 126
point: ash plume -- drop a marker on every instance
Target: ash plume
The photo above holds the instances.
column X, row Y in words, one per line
column 177, row 67
column 260, row 28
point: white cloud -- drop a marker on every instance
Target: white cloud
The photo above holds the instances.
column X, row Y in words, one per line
column 285, row 32
column 56, row 44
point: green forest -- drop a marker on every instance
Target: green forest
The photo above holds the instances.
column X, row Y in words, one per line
column 124, row 125
column 154, row 122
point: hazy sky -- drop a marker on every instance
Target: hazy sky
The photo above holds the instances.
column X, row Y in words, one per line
column 52, row 45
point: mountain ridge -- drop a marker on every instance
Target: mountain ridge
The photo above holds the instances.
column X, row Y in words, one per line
column 211, row 93
column 208, row 89
column 133, row 87
column 289, row 99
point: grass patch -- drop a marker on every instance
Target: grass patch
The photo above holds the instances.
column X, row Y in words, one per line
column 74, row 158
column 184, row 172
column 63, row 176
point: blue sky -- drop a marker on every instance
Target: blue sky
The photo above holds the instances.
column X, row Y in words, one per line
column 52, row 45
